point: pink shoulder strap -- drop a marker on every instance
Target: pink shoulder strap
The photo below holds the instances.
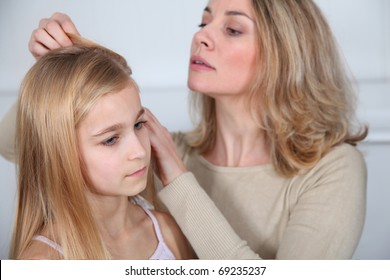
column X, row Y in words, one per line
column 49, row 242
column 155, row 224
column 162, row 251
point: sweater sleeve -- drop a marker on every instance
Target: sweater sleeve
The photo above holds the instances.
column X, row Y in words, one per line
column 202, row 223
column 7, row 134
column 327, row 220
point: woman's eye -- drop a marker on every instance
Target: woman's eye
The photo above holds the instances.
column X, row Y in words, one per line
column 110, row 141
column 202, row 25
column 139, row 125
column 233, row 32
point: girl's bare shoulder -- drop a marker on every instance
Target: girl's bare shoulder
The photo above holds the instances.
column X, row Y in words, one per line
column 173, row 236
column 38, row 250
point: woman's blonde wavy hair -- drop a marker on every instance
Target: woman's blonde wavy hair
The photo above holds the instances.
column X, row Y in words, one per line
column 302, row 96
column 55, row 96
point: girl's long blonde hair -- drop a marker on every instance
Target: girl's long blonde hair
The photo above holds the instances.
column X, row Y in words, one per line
column 55, row 96
column 302, row 96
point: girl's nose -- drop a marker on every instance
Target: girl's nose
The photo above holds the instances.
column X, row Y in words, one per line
column 135, row 149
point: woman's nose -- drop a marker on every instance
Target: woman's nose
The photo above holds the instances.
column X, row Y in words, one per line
column 203, row 38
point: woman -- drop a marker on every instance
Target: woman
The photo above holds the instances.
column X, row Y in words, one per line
column 273, row 171
column 83, row 150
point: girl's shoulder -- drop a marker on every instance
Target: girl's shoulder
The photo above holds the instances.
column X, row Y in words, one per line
column 38, row 250
column 173, row 236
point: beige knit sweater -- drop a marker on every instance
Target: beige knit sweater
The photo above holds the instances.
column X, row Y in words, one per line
column 251, row 212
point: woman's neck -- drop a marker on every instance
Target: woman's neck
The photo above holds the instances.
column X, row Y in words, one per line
column 239, row 140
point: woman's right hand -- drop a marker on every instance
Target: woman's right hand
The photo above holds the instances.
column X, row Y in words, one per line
column 51, row 34
column 168, row 162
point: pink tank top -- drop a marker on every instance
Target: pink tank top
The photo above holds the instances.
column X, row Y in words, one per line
column 162, row 251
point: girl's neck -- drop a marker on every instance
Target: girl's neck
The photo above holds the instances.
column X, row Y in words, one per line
column 239, row 140
column 113, row 214
column 125, row 228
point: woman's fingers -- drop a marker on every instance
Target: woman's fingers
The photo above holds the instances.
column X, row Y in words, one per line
column 51, row 34
column 169, row 163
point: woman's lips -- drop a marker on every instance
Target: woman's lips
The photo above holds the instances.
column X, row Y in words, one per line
column 198, row 63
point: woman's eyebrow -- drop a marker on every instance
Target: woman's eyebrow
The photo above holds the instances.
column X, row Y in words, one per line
column 237, row 13
column 230, row 13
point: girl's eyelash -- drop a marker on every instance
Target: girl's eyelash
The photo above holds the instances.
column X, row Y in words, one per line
column 110, row 141
column 202, row 25
column 114, row 139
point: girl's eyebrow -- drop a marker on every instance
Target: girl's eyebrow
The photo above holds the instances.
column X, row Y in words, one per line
column 230, row 13
column 111, row 128
column 117, row 126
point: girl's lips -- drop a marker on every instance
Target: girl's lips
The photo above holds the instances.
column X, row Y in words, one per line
column 138, row 173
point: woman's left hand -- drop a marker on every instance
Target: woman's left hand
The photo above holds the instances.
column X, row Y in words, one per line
column 169, row 164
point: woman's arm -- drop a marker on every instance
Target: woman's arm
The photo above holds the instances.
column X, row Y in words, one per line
column 326, row 221
column 208, row 231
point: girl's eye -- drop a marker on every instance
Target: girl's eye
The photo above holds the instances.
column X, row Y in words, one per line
column 202, row 25
column 111, row 141
column 139, row 125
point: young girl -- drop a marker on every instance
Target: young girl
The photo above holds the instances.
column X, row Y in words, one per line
column 83, row 150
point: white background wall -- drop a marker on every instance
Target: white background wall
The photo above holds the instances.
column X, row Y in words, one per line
column 155, row 37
